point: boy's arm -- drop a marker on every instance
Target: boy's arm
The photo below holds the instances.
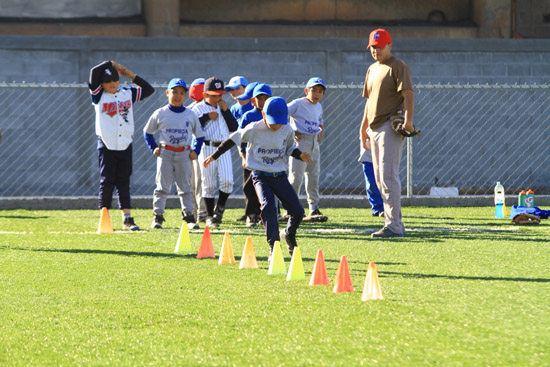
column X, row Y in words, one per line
column 139, row 94
column 150, row 140
column 204, row 120
column 94, row 83
column 298, row 154
column 224, row 147
column 196, row 144
column 230, row 120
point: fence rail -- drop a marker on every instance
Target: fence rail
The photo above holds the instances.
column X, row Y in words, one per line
column 472, row 136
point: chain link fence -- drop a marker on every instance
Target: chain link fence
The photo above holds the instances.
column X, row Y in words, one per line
column 472, row 136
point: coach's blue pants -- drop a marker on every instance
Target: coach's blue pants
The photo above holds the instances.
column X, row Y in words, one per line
column 373, row 194
column 115, row 168
column 266, row 187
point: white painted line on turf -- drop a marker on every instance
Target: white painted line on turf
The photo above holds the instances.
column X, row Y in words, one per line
column 318, row 230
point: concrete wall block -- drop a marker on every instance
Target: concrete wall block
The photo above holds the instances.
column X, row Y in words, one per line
column 541, row 70
column 519, row 70
column 494, row 69
column 434, row 70
column 467, row 69
column 478, row 57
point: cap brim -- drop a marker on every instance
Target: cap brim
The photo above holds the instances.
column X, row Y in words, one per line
column 216, row 92
column 377, row 44
column 313, row 85
column 243, row 97
column 276, row 121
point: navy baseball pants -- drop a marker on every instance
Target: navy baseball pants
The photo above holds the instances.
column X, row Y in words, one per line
column 115, row 168
column 373, row 194
column 267, row 185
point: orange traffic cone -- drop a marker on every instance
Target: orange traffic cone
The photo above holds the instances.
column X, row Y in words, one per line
column 206, row 249
column 105, row 225
column 248, row 260
column 372, row 289
column 226, row 253
column 319, row 274
column 343, row 279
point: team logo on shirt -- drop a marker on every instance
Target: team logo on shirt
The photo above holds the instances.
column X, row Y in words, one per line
column 110, row 108
column 177, row 136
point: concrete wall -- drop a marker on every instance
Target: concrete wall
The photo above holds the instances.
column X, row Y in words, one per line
column 273, row 60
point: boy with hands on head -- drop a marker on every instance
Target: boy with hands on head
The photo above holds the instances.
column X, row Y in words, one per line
column 114, row 126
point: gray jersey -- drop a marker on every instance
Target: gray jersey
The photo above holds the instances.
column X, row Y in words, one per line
column 215, row 130
column 175, row 129
column 305, row 117
column 268, row 150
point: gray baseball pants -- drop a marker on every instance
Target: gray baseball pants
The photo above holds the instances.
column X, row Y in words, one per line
column 387, row 148
column 173, row 166
column 297, row 169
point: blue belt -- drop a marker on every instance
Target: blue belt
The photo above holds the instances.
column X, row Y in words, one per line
column 268, row 174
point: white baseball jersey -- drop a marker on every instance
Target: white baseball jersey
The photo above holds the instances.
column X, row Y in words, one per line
column 214, row 130
column 114, row 121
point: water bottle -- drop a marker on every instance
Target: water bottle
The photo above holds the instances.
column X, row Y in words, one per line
column 499, row 200
column 521, row 198
column 530, row 199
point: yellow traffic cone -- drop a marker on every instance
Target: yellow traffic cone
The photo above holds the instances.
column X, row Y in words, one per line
column 277, row 265
column 296, row 269
column 105, row 225
column 372, row 289
column 226, row 253
column 248, row 260
column 183, row 239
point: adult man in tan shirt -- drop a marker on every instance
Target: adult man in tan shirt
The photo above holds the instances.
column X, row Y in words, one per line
column 389, row 92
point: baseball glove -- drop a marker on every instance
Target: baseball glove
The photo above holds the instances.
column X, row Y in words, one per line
column 397, row 126
column 526, row 219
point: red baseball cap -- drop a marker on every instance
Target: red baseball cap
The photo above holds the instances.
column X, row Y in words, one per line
column 379, row 38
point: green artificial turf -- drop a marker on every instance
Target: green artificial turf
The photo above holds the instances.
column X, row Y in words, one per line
column 461, row 289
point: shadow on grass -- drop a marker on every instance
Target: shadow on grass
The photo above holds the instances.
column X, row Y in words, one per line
column 461, row 277
column 22, row 217
column 101, row 252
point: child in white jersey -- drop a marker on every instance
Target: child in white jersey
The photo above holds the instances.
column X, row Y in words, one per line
column 114, row 126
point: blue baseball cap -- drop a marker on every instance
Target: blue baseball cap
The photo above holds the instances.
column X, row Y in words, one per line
column 248, row 92
column 177, row 82
column 276, row 111
column 315, row 81
column 236, row 82
column 261, row 89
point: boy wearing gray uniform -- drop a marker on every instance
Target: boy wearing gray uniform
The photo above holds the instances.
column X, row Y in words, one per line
column 306, row 118
column 270, row 143
column 176, row 126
